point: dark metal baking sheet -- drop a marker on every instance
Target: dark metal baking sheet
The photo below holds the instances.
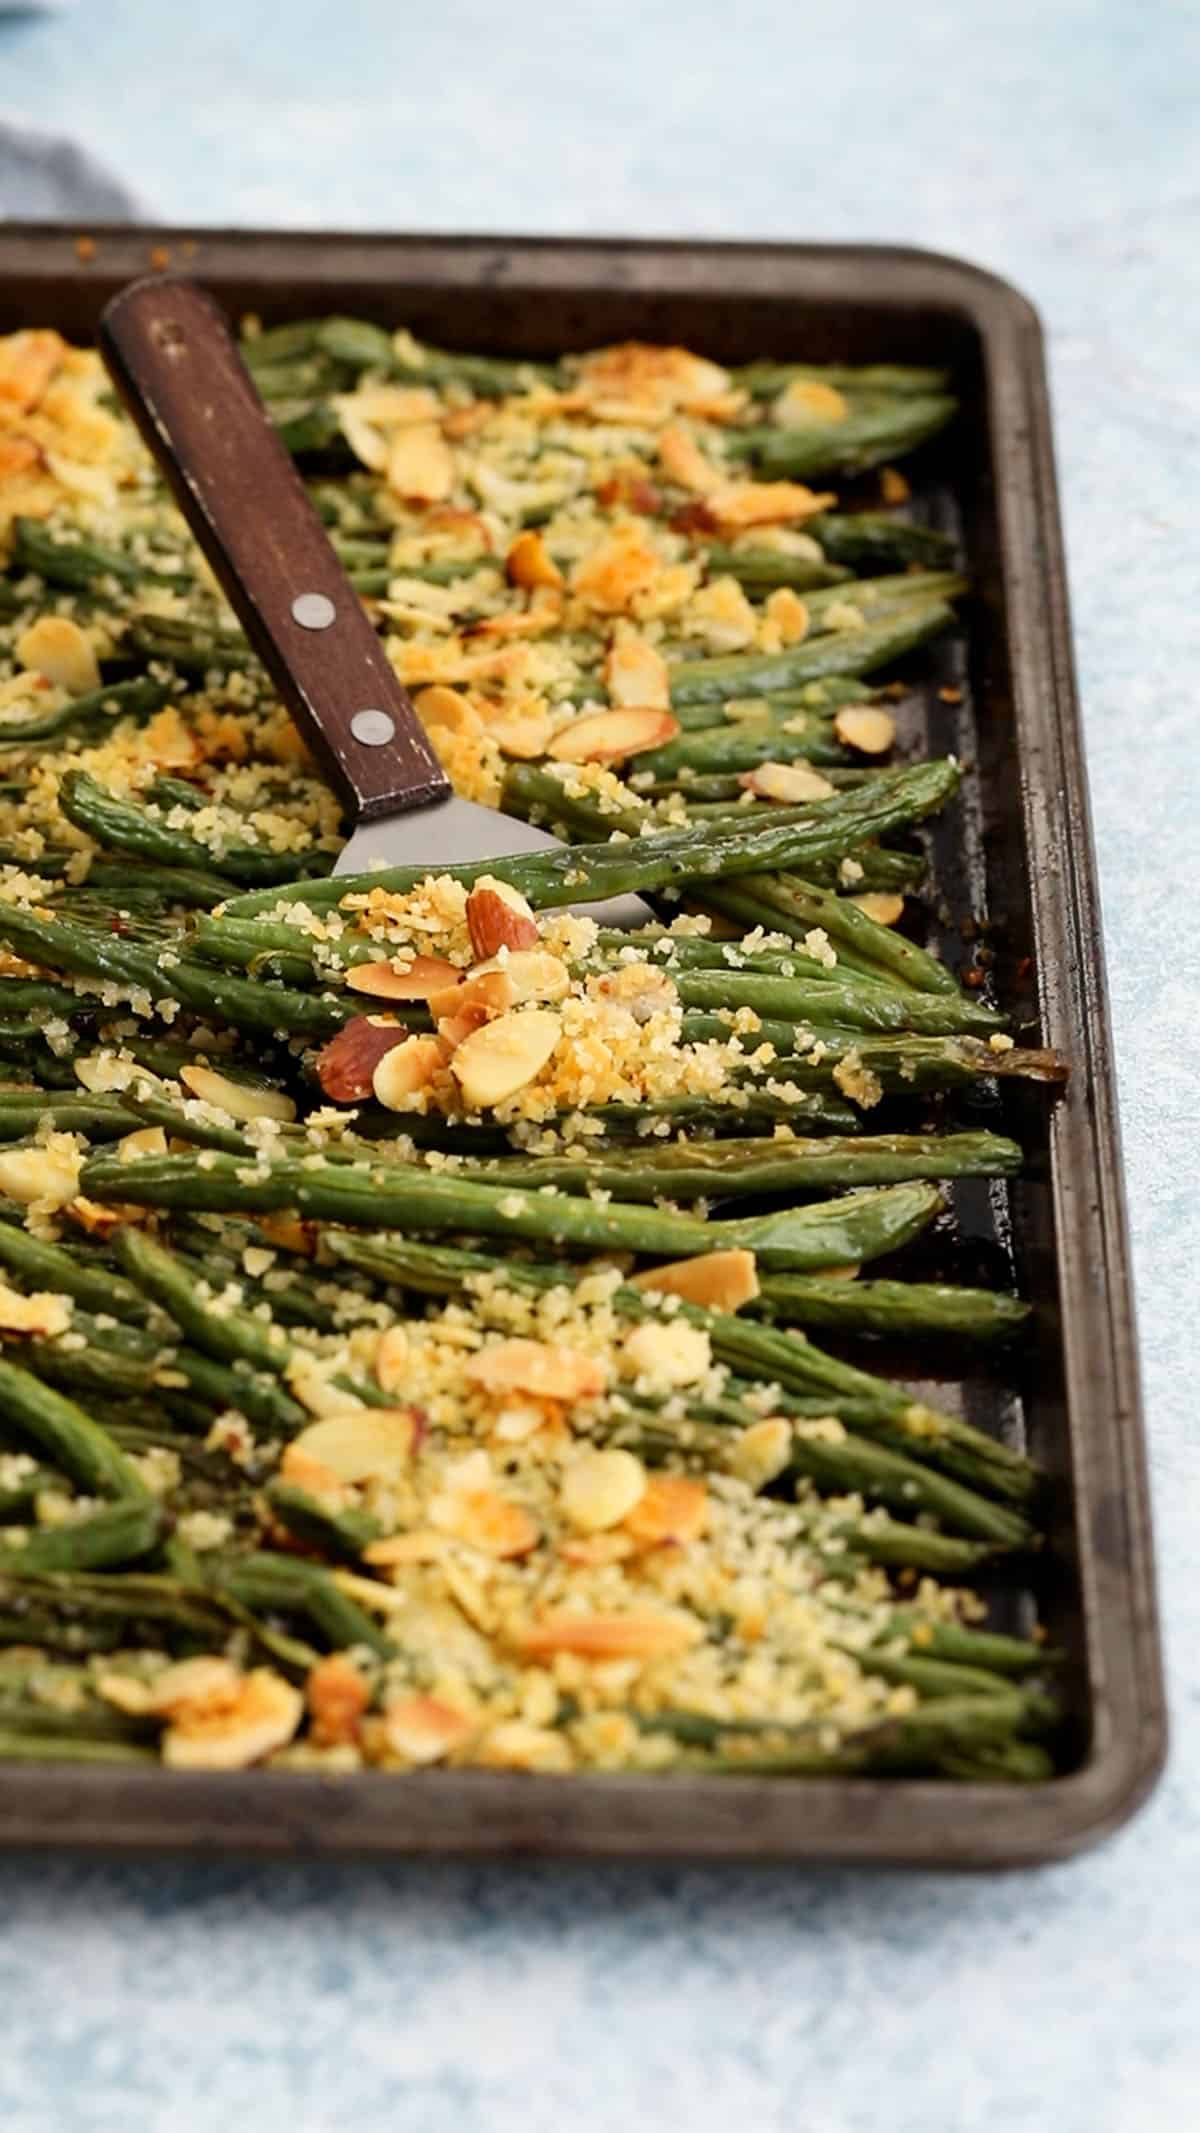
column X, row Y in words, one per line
column 1017, row 851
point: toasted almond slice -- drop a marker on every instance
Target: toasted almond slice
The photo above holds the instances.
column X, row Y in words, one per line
column 234, row 1097
column 673, row 1509
column 505, row 1055
column 893, row 487
column 48, row 1176
column 101, row 1221
column 530, row 564
column 841, row 1273
column 392, row 1359
column 403, row 981
column 454, row 1030
column 721, row 1281
column 498, row 916
column 524, row 736
column 791, row 784
column 864, row 727
column 420, row 464
column 149, row 1140
column 422, row 1729
column 611, row 736
column 548, row 1372
column 366, row 1443
column 603, row 1637
column 601, row 1488
column 290, row 1232
column 760, row 1454
column 303, row 1471
column 737, row 504
column 195, row 1686
column 491, row 989
column 684, row 463
column 636, row 674
column 346, row 1065
column 420, row 1546
column 42, row 1314
column 808, row 401
column 534, row 974
column 787, row 611
column 28, row 361
column 885, row 906
column 265, row 1716
column 486, row 1520
column 405, row 1069
column 447, row 708
column 337, row 1696
column 56, row 647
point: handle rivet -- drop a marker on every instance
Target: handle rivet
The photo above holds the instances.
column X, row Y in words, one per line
column 373, row 728
column 313, row 611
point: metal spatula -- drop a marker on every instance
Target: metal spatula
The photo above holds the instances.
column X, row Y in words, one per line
column 173, row 358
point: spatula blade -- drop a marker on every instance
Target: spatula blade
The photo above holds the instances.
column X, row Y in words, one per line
column 456, row 832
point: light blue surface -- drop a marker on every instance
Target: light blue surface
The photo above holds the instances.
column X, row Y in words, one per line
column 1059, row 145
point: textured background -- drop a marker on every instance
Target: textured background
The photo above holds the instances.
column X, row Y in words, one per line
column 1055, row 141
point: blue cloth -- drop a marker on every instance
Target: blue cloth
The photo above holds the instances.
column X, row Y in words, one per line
column 1057, row 145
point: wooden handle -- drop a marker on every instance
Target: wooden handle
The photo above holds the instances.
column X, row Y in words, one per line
column 173, row 358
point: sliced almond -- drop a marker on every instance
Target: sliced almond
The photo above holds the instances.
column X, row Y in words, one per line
column 56, row 647
column 99, row 1220
column 492, row 990
column 447, row 708
column 392, row 1359
column 611, row 736
column 893, row 487
column 149, row 1140
column 366, row 1443
column 885, row 906
column 420, row 464
column 787, row 611
column 601, row 1488
column 28, row 361
column 673, row 1510
column 403, row 981
column 524, row 735
column 505, row 1055
column 864, row 727
column 534, row 974
column 235, row 1098
column 346, row 1065
column 422, row 1729
column 737, row 504
column 684, row 463
column 498, row 916
column 400, row 1549
column 46, row 1176
column 454, row 1030
column 530, row 564
column 808, row 401
column 337, row 1695
column 41, row 1315
column 195, row 1686
column 406, row 1069
column 290, row 1232
column 636, row 674
column 720, row 1281
column 301, row 1470
column 601, row 1637
column 791, row 784
column 265, row 1716
column 538, row 1367
column 486, row 1520
column 18, row 455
